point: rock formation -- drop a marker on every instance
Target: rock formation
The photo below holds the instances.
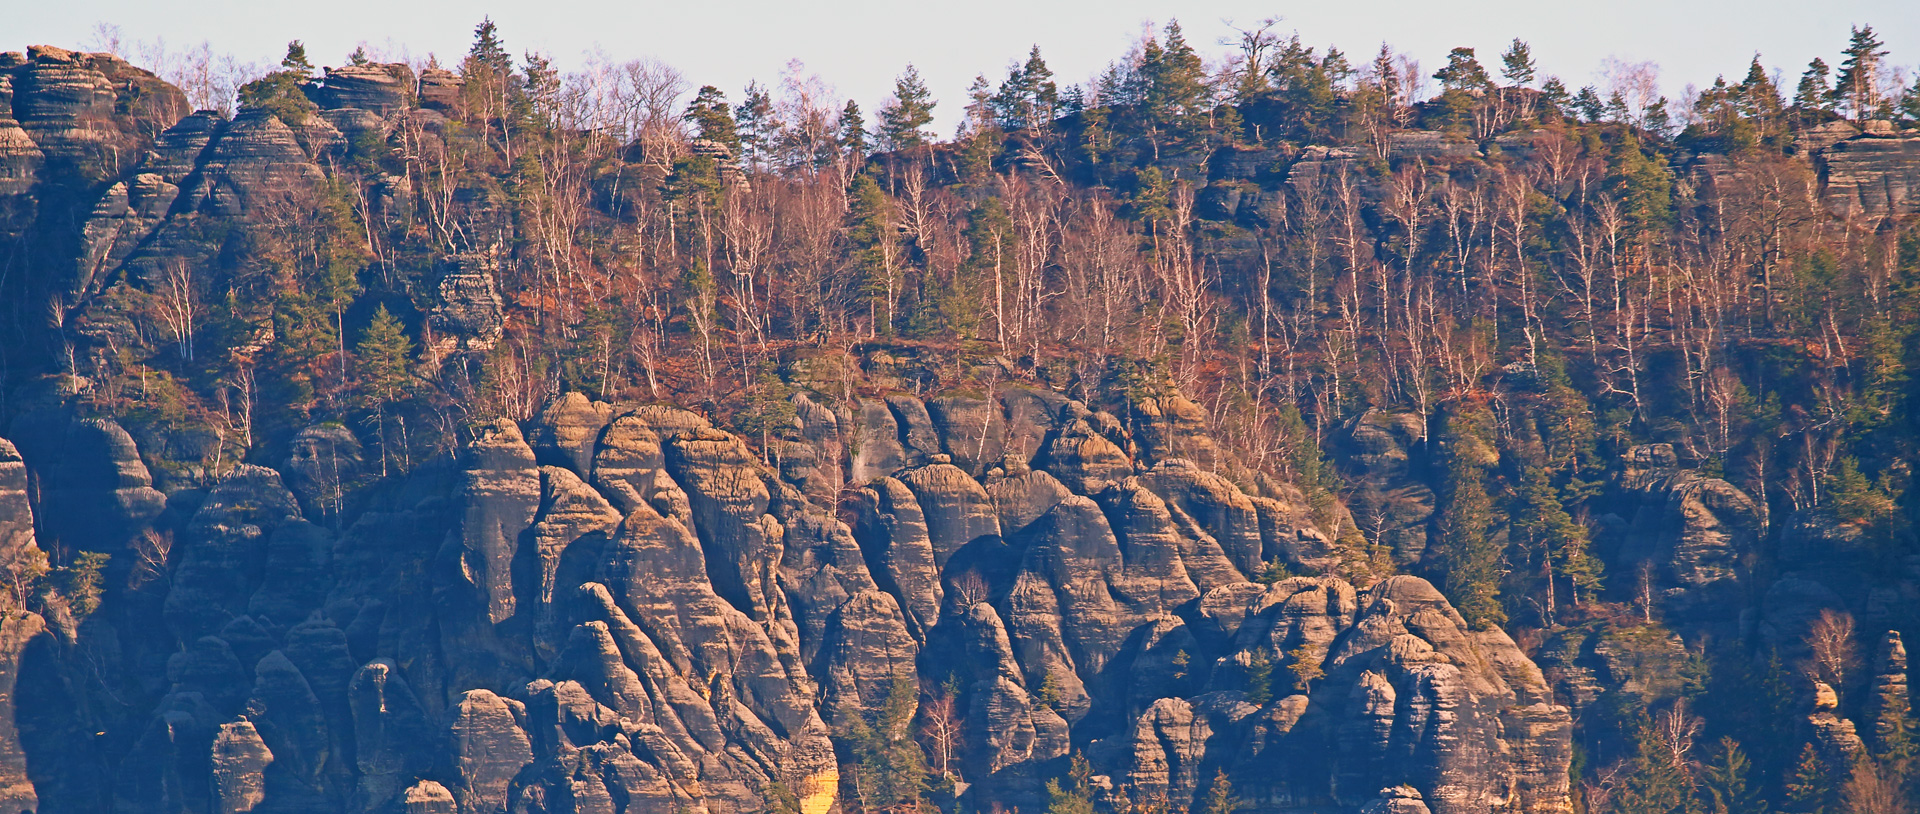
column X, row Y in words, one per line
column 1875, row 174
column 619, row 603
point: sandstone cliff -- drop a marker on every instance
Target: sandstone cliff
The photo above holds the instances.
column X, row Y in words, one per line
column 616, row 603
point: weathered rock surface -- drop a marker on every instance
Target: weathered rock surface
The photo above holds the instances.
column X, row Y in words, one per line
column 1698, row 533
column 610, row 603
column 381, row 88
column 467, row 314
column 1872, row 175
column 1410, row 695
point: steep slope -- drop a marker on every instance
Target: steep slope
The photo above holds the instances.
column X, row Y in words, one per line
column 635, row 607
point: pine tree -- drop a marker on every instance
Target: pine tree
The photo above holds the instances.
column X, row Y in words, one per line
column 1307, row 663
column 1517, row 64
column 383, row 354
column 1728, row 783
column 1076, row 795
column 710, row 114
column 1028, row 97
column 991, row 241
column 1652, row 783
column 488, row 51
column 1760, row 101
column 903, row 119
column 1220, row 799
column 1644, row 185
column 1259, row 679
column 1811, row 97
column 1587, row 103
column 1463, row 72
column 1543, row 518
column 279, row 92
column 1049, row 693
column 892, row 771
column 758, row 125
column 1859, row 82
column 1814, row 785
column 1470, row 557
column 1909, row 107
column 1175, row 100
column 852, row 132
column 296, row 59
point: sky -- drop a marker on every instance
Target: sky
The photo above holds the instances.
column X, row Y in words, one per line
column 859, row 47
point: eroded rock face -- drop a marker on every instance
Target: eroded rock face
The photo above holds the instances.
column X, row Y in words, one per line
column 622, row 606
column 1410, row 696
column 467, row 315
column 380, row 88
column 1873, row 175
column 1697, row 533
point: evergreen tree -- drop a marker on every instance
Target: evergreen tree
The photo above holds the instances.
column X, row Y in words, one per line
column 1859, row 83
column 1554, row 94
column 1175, row 99
column 1728, row 782
column 991, row 242
column 977, row 128
column 1909, row 107
column 852, row 129
column 1307, row 663
column 1544, row 520
column 1470, row 556
column 1306, row 85
column 758, row 125
column 1811, row 97
column 1076, row 795
column 296, row 59
column 870, row 240
column 904, row 118
column 1463, row 72
column 279, row 92
column 1028, row 97
column 1814, row 785
column 1220, row 799
column 1588, row 104
column 710, row 114
column 488, row 51
column 1758, row 99
column 1259, row 678
column 383, row 354
column 892, row 772
column 1644, row 185
column 1517, row 64
column 1652, row 783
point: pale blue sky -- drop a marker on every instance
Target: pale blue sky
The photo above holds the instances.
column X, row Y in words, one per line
column 858, row 47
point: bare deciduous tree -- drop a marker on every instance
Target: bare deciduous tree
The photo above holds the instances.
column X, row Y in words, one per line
column 1830, row 641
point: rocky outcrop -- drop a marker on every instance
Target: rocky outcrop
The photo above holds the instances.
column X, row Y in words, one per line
column 1833, row 736
column 380, row 88
column 439, row 89
column 1410, row 695
column 84, row 112
column 467, row 313
column 1697, row 533
column 614, row 603
column 17, row 629
column 1876, row 175
column 1889, row 704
